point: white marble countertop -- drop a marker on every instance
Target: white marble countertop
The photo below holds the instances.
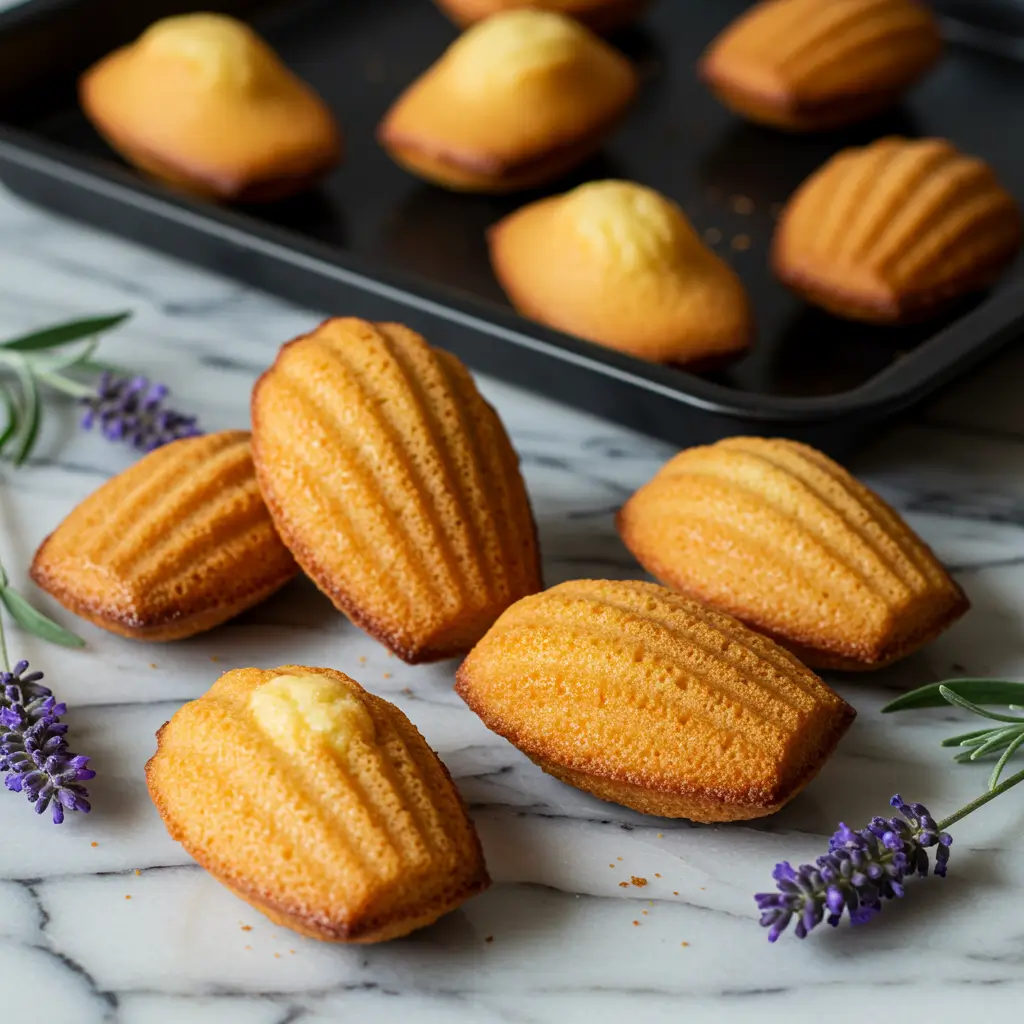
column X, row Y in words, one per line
column 106, row 919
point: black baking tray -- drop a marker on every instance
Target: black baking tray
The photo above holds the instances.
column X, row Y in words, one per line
column 375, row 242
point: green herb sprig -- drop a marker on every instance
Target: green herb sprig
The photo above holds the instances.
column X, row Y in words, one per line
column 1001, row 741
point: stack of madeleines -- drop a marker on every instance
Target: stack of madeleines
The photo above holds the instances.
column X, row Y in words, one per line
column 889, row 233
column 376, row 467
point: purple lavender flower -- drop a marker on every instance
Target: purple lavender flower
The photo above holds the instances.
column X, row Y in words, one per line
column 861, row 869
column 131, row 409
column 33, row 750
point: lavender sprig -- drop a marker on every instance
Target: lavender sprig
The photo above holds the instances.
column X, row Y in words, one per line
column 33, row 749
column 132, row 409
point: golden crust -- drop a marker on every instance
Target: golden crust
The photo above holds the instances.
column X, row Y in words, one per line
column 786, row 540
column 597, row 15
column 893, row 231
column 618, row 264
column 395, row 486
column 517, row 100
column 804, row 65
column 360, row 842
column 200, row 102
column 653, row 701
column 175, row 545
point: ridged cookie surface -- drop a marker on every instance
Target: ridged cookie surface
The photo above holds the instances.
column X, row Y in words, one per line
column 785, row 539
column 518, row 99
column 395, row 486
column 650, row 700
column 316, row 802
column 808, row 65
column 895, row 230
column 203, row 103
column 176, row 544
column 599, row 15
column 620, row 265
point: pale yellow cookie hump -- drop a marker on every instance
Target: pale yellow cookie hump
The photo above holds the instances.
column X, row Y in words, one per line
column 809, row 65
column 317, row 803
column 896, row 230
column 598, row 15
column 176, row 544
column 782, row 537
column 518, row 99
column 202, row 103
column 618, row 264
column 395, row 486
column 653, row 701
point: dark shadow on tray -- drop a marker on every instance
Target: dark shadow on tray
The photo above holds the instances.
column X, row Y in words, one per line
column 311, row 213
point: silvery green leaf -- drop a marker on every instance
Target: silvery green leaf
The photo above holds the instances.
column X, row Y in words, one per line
column 1001, row 763
column 36, row 622
column 966, row 739
column 11, row 417
column 955, row 698
column 31, row 413
column 64, row 334
column 980, row 691
column 998, row 740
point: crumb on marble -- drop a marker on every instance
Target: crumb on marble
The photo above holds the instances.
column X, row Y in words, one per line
column 362, row 659
column 661, row 835
column 618, row 858
column 292, row 951
column 277, row 956
column 248, row 947
column 611, row 865
column 94, row 845
column 702, row 889
column 674, row 893
column 387, row 675
column 246, row 927
column 407, row 690
column 683, row 943
column 741, row 243
column 152, row 664
column 644, row 912
column 636, row 922
column 638, row 881
column 127, row 897
column 656, row 875
column 214, row 657
column 623, row 885
column 138, row 872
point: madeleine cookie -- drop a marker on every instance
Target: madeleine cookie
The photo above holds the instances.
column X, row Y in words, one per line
column 516, row 101
column 175, row 545
column 894, row 231
column 620, row 265
column 200, row 102
column 395, row 486
column 317, row 803
column 811, row 65
column 647, row 699
column 783, row 538
column 598, row 15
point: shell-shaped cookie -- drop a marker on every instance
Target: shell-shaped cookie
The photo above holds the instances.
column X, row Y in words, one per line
column 894, row 230
column 650, row 700
column 620, row 265
column 808, row 65
column 395, row 486
column 517, row 100
column 176, row 544
column 598, row 15
column 316, row 802
column 785, row 539
column 201, row 102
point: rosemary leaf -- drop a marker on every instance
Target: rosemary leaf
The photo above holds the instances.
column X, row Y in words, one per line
column 998, row 740
column 980, row 691
column 11, row 417
column 36, row 622
column 966, row 739
column 28, row 429
column 1001, row 763
column 64, row 334
column 955, row 698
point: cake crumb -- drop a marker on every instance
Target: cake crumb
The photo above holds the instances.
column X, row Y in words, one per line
column 644, row 912
column 618, row 858
column 248, row 947
column 712, row 236
column 490, row 938
column 246, row 927
column 277, row 956
column 674, row 893
column 741, row 243
column 127, row 897
column 94, row 845
column 637, row 881
column 661, row 835
column 743, row 205
column 636, row 922
column 387, row 675
column 214, row 657
column 611, row 865
column 362, row 659
column 138, row 872
column 407, row 690
column 683, row 943
column 292, row 951
column 702, row 889
column 623, row 885
column 152, row 664
column 656, row 875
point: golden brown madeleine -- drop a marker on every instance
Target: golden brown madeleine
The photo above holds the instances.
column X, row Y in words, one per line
column 517, row 100
column 785, row 539
column 620, row 265
column 653, row 701
column 810, row 65
column 200, row 102
column 317, row 803
column 175, row 545
column 598, row 15
column 895, row 230
column 395, row 486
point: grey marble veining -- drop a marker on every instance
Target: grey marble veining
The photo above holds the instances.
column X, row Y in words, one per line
column 569, row 944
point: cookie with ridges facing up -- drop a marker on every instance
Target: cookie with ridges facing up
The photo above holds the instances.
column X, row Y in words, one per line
column 895, row 231
column 176, row 544
column 642, row 697
column 517, row 100
column 317, row 803
column 809, row 65
column 620, row 265
column 599, row 15
column 201, row 102
column 395, row 486
column 785, row 539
